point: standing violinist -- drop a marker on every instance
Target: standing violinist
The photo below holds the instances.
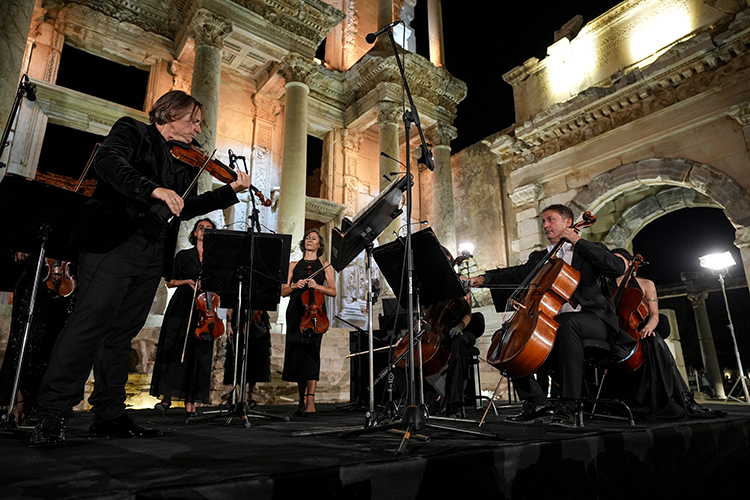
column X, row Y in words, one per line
column 589, row 314
column 188, row 379
column 302, row 351
column 144, row 186
column 656, row 390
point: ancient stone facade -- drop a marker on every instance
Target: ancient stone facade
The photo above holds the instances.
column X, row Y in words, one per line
column 251, row 62
column 643, row 112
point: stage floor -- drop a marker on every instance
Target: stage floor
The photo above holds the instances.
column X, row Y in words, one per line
column 269, row 460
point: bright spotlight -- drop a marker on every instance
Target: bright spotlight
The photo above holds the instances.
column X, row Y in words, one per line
column 717, row 261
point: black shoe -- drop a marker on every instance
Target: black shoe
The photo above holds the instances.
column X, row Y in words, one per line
column 455, row 411
column 120, row 427
column 531, row 413
column 50, row 431
column 565, row 416
column 161, row 408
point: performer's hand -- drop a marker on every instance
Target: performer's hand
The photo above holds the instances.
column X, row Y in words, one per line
column 570, row 235
column 647, row 332
column 191, row 283
column 455, row 332
column 476, row 281
column 297, row 285
column 21, row 256
column 242, row 183
column 229, row 330
column 173, row 200
column 312, row 284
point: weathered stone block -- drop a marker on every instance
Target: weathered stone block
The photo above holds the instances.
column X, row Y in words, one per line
column 529, row 213
column 663, row 169
column 640, row 213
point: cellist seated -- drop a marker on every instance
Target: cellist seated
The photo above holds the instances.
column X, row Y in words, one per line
column 589, row 314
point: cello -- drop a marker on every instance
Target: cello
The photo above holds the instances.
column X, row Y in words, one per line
column 632, row 311
column 435, row 350
column 525, row 340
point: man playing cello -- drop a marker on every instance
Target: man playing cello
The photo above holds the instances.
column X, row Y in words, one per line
column 590, row 314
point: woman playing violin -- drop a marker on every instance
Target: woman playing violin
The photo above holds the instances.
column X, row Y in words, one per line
column 173, row 379
column 302, row 354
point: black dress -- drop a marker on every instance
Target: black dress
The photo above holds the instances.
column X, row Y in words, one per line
column 656, row 391
column 191, row 380
column 50, row 313
column 302, row 353
column 258, row 353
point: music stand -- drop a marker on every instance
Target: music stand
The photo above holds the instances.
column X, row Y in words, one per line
column 247, row 269
column 46, row 217
column 434, row 281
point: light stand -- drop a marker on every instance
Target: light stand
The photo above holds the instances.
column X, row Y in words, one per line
column 719, row 263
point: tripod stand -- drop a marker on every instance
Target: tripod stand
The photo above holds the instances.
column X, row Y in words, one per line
column 742, row 377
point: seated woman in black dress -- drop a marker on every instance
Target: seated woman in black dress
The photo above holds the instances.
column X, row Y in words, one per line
column 302, row 353
column 174, row 379
column 655, row 391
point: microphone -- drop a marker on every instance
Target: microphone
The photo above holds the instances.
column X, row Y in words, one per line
column 371, row 37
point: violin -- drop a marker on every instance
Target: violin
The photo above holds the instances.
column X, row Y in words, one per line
column 208, row 325
column 196, row 157
column 314, row 320
column 525, row 340
column 632, row 312
column 435, row 349
column 59, row 279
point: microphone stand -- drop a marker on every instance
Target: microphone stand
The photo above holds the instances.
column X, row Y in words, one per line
column 415, row 417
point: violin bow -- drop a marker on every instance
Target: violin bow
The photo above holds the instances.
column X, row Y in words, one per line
column 190, row 318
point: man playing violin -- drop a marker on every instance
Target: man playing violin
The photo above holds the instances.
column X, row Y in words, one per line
column 144, row 186
column 589, row 314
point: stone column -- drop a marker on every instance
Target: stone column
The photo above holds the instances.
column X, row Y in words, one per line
column 435, row 30
column 15, row 19
column 742, row 241
column 209, row 31
column 385, row 13
column 706, row 339
column 389, row 114
column 443, row 212
column 295, row 69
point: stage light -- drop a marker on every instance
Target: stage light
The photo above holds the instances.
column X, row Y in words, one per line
column 469, row 247
column 717, row 261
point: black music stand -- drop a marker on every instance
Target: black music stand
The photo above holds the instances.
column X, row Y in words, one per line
column 45, row 218
column 247, row 269
column 435, row 281
column 359, row 234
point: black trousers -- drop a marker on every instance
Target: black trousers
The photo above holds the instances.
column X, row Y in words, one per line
column 566, row 358
column 115, row 294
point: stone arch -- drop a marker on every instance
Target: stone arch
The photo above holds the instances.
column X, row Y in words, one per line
column 679, row 172
column 720, row 190
column 637, row 216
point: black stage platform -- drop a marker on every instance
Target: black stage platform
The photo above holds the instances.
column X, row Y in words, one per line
column 690, row 459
